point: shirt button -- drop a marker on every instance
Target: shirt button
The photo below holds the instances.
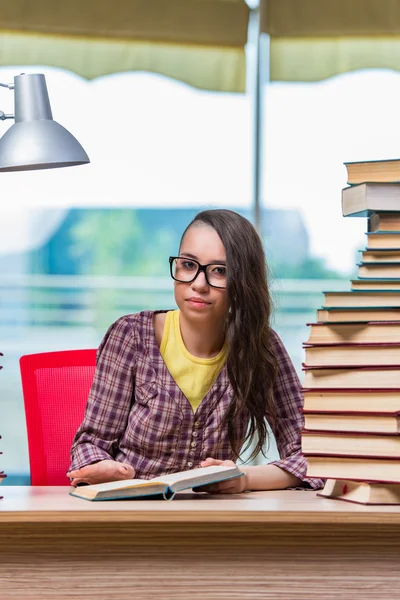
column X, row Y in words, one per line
column 190, row 464
column 191, row 453
column 196, row 423
column 195, row 434
column 193, row 444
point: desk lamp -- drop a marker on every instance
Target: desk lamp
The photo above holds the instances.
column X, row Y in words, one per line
column 36, row 141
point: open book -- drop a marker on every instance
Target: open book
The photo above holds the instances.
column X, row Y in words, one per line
column 361, row 492
column 166, row 485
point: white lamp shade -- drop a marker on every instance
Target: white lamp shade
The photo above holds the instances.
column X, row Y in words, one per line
column 36, row 141
column 39, row 145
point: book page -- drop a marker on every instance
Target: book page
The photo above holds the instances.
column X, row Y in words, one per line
column 118, row 485
column 194, row 474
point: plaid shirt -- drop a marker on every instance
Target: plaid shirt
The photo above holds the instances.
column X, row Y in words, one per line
column 137, row 414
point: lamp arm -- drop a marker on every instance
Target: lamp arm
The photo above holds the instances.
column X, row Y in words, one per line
column 3, row 116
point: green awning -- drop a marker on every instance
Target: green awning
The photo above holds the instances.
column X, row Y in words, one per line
column 315, row 39
column 200, row 42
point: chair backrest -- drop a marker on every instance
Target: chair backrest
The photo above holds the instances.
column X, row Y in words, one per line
column 55, row 387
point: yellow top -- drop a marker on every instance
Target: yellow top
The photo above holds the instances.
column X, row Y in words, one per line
column 193, row 375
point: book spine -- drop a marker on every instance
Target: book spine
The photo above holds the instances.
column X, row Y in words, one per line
column 350, row 413
column 352, row 367
column 2, row 474
column 168, row 493
column 350, row 390
column 316, row 432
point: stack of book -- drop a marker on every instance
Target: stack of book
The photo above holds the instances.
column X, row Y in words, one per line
column 2, row 474
column 351, row 434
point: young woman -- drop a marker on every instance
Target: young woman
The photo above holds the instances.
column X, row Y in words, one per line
column 175, row 390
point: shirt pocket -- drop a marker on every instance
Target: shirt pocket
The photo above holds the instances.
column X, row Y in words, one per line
column 155, row 422
column 145, row 393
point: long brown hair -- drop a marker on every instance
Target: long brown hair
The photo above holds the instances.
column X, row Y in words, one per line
column 251, row 364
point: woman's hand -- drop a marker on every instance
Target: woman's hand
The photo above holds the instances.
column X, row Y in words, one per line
column 102, row 472
column 230, row 486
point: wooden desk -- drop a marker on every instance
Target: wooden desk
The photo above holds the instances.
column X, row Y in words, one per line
column 287, row 545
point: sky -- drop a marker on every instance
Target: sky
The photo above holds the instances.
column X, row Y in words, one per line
column 158, row 142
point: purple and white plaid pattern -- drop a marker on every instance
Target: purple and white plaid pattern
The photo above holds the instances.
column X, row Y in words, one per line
column 137, row 414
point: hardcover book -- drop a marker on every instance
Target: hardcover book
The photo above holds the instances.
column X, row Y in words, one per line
column 386, row 270
column 382, row 221
column 359, row 314
column 383, row 240
column 2, row 474
column 352, row 377
column 342, row 443
column 352, row 422
column 356, row 400
column 384, row 255
column 361, row 298
column 365, row 199
column 375, row 171
column 361, row 492
column 352, row 355
column 385, row 470
column 376, row 284
column 165, row 486
column 354, row 333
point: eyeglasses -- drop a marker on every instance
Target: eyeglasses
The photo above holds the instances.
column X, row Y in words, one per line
column 185, row 270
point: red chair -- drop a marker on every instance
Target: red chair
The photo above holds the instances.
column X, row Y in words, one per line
column 55, row 387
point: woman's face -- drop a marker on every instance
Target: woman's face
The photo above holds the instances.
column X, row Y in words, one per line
column 198, row 300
